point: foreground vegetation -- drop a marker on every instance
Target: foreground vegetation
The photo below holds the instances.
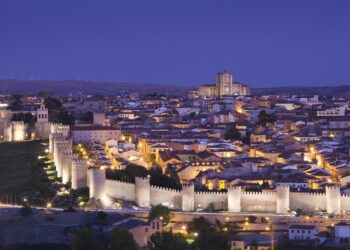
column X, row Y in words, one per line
column 20, row 168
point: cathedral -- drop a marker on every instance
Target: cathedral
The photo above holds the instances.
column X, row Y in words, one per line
column 225, row 86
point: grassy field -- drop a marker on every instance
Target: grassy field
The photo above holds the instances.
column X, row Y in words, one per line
column 20, row 168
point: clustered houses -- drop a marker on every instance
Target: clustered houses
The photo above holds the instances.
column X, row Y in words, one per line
column 238, row 151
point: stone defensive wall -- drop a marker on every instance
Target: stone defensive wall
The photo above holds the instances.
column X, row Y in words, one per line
column 280, row 200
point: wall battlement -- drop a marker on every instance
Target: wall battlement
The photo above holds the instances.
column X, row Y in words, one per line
column 281, row 200
column 78, row 160
column 272, row 193
column 121, row 182
column 210, row 193
column 313, row 194
column 166, row 189
column 142, row 179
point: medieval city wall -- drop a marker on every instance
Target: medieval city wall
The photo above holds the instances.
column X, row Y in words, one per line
column 307, row 201
column 120, row 190
column 258, row 201
column 345, row 202
column 165, row 196
column 204, row 199
column 281, row 201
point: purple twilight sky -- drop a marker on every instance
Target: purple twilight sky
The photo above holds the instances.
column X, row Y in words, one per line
column 263, row 43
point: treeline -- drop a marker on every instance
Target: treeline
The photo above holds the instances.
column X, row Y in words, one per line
column 168, row 179
column 24, row 117
column 57, row 112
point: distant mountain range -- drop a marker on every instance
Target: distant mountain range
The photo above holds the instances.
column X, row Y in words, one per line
column 337, row 91
column 65, row 87
column 109, row 88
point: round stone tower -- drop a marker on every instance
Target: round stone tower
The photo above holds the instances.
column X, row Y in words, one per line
column 187, row 194
column 333, row 199
column 282, row 199
column 234, row 198
column 143, row 191
column 79, row 173
column 97, row 183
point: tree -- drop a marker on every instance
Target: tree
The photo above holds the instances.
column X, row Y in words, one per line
column 16, row 101
column 264, row 118
column 211, row 240
column 167, row 241
column 251, row 219
column 232, row 134
column 88, row 117
column 198, row 225
column 66, row 118
column 121, row 239
column 152, row 158
column 102, row 218
column 253, row 245
column 52, row 103
column 162, row 180
column 210, row 207
column 27, row 118
column 84, row 240
column 26, row 210
column 160, row 212
column 207, row 237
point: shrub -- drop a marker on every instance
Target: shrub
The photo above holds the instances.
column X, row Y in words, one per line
column 25, row 210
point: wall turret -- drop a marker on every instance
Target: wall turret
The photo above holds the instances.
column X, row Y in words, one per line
column 234, row 198
column 333, row 199
column 187, row 194
column 66, row 166
column 97, row 183
column 79, row 172
column 143, row 191
column 282, row 199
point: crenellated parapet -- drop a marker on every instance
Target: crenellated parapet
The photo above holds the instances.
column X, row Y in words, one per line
column 166, row 189
column 257, row 193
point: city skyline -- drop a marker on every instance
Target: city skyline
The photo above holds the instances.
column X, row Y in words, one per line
column 263, row 44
